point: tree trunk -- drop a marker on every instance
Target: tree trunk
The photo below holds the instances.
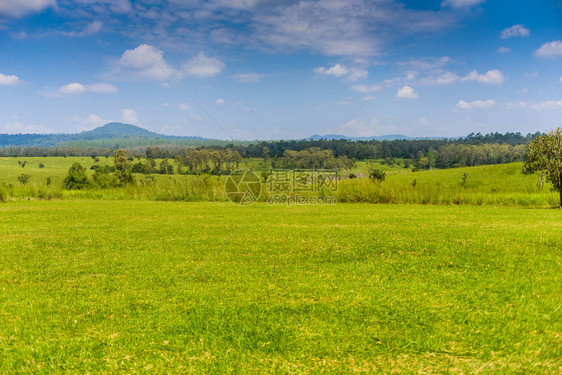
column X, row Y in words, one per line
column 560, row 198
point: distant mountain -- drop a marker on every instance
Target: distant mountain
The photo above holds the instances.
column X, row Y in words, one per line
column 113, row 134
column 390, row 137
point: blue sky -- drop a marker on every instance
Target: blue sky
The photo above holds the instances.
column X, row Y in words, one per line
column 267, row 69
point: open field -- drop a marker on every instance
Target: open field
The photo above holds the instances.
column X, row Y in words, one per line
column 128, row 286
column 502, row 184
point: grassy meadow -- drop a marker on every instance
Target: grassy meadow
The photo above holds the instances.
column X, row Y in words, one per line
column 95, row 286
column 502, row 185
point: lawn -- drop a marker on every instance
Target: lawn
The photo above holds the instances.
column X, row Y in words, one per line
column 136, row 286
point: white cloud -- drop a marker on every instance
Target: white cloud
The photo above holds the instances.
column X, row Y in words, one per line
column 357, row 74
column 248, row 77
column 6, row 80
column 340, row 70
column 91, row 122
column 73, row 88
column 183, row 107
column 19, row 8
column 141, row 61
column 461, row 3
column 478, row 104
column 78, row 88
column 492, row 77
column 515, row 31
column 337, row 70
column 504, row 50
column 407, row 92
column 17, row 127
column 203, row 66
column 442, row 79
column 549, row 104
column 523, row 91
column 552, row 49
column 129, row 116
column 560, row 79
column 219, row 101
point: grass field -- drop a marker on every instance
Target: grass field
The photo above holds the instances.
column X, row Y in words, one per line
column 133, row 286
column 501, row 185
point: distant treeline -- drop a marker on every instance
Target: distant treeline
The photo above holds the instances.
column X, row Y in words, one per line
column 474, row 149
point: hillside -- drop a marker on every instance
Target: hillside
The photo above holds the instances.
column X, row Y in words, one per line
column 103, row 136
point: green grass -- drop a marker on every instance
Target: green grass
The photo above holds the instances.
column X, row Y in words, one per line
column 171, row 287
column 500, row 185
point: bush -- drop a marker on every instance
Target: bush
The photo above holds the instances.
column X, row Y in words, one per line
column 23, row 178
column 377, row 175
column 76, row 178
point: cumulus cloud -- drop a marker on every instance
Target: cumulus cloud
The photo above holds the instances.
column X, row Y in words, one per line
column 147, row 62
column 549, row 104
column 340, row 70
column 491, row 77
column 8, row 80
column 182, row 106
column 78, row 88
column 72, row 88
column 504, row 50
column 515, row 31
column 20, row 8
column 219, row 101
column 441, row 79
column 129, row 116
column 142, row 61
column 337, row 70
column 407, row 92
column 552, row 49
column 91, row 122
column 477, row 104
column 461, row 3
column 203, row 66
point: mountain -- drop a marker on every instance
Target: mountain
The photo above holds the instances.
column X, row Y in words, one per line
column 390, row 137
column 113, row 134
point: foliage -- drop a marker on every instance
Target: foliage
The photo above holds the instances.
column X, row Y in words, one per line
column 76, row 179
column 123, row 167
column 23, row 178
column 544, row 154
column 377, row 175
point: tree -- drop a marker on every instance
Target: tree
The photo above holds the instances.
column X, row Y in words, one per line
column 76, row 178
column 123, row 167
column 377, row 175
column 23, row 178
column 544, row 154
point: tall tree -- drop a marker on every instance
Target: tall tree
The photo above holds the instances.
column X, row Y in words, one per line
column 123, row 167
column 544, row 154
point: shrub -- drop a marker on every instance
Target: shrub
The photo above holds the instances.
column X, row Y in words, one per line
column 76, row 178
column 377, row 175
column 23, row 178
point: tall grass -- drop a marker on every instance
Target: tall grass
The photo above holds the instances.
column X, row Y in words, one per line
column 502, row 185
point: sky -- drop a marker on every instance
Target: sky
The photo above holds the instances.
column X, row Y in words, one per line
column 284, row 69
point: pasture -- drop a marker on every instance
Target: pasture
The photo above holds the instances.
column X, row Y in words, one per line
column 95, row 286
column 499, row 185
